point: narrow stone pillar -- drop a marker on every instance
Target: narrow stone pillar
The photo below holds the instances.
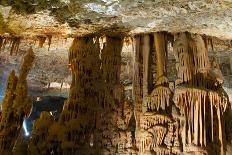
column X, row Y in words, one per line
column 146, row 64
column 160, row 39
column 137, row 78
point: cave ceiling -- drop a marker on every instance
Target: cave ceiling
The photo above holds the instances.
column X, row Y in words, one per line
column 65, row 19
column 72, row 17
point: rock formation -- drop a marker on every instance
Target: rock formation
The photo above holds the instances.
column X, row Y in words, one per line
column 16, row 105
column 199, row 96
column 13, row 41
column 158, row 129
column 97, row 118
column 39, row 144
column 175, row 122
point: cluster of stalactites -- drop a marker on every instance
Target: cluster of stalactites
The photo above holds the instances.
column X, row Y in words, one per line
column 201, row 98
column 187, row 98
column 151, row 119
column 151, row 139
column 158, row 99
column 15, row 106
column 43, row 38
column 158, row 134
column 160, row 96
column 192, row 59
column 13, row 42
column 161, row 51
column 197, row 106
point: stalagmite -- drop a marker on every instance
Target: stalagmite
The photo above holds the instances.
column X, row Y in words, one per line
column 15, row 106
column 40, row 135
column 49, row 41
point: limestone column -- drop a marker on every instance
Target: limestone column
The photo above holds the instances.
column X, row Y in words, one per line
column 146, row 64
column 79, row 113
column 160, row 39
column 137, row 78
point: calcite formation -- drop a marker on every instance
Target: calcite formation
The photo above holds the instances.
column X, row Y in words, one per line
column 16, row 105
column 79, row 113
column 199, row 96
column 95, row 118
column 178, row 121
column 157, row 131
column 39, row 144
column 187, row 117
column 13, row 41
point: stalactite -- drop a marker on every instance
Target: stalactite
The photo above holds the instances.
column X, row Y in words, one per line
column 137, row 78
column 42, row 40
column 49, row 41
column 160, row 39
column 1, row 42
column 154, row 134
column 198, row 93
column 15, row 106
column 15, row 41
column 146, row 64
column 6, row 40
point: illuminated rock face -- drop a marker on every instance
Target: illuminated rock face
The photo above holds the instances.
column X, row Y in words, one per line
column 185, row 119
column 39, row 144
column 16, row 106
column 79, row 113
column 189, row 119
column 158, row 130
column 199, row 96
column 95, row 118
